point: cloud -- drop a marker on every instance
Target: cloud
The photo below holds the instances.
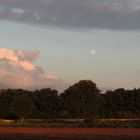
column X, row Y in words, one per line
column 78, row 14
column 92, row 52
column 18, row 71
column 29, row 55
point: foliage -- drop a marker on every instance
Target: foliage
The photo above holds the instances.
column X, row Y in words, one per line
column 81, row 100
column 21, row 106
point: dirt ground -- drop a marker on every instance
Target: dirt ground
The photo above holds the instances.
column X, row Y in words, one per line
column 7, row 133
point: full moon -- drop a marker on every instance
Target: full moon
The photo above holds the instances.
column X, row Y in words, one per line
column 92, row 51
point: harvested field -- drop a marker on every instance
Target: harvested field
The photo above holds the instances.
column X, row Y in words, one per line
column 9, row 133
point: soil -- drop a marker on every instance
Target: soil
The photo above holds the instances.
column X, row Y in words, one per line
column 12, row 133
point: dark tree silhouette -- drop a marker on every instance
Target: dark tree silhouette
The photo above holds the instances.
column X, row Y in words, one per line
column 82, row 99
column 21, row 106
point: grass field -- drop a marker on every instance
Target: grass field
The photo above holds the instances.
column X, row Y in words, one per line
column 74, row 123
column 11, row 133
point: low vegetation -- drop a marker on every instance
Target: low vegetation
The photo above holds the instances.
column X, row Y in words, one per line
column 74, row 124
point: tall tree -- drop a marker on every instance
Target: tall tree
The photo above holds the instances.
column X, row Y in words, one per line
column 82, row 99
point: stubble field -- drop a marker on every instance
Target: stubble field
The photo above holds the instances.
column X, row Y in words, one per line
column 11, row 133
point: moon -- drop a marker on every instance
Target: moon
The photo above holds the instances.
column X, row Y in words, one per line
column 93, row 52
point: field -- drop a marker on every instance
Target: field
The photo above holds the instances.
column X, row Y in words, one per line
column 13, row 133
column 74, row 123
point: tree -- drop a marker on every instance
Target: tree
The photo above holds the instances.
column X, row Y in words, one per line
column 6, row 95
column 48, row 103
column 81, row 99
column 21, row 106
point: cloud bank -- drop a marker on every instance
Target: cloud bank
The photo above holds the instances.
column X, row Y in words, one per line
column 18, row 71
column 77, row 14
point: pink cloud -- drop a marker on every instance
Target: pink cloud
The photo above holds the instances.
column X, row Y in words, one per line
column 18, row 71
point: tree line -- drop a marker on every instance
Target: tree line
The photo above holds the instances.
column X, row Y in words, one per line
column 82, row 100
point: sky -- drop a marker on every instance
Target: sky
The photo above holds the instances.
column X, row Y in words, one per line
column 55, row 43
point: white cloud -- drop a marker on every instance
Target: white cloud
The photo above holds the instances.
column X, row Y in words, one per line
column 93, row 52
column 18, row 71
